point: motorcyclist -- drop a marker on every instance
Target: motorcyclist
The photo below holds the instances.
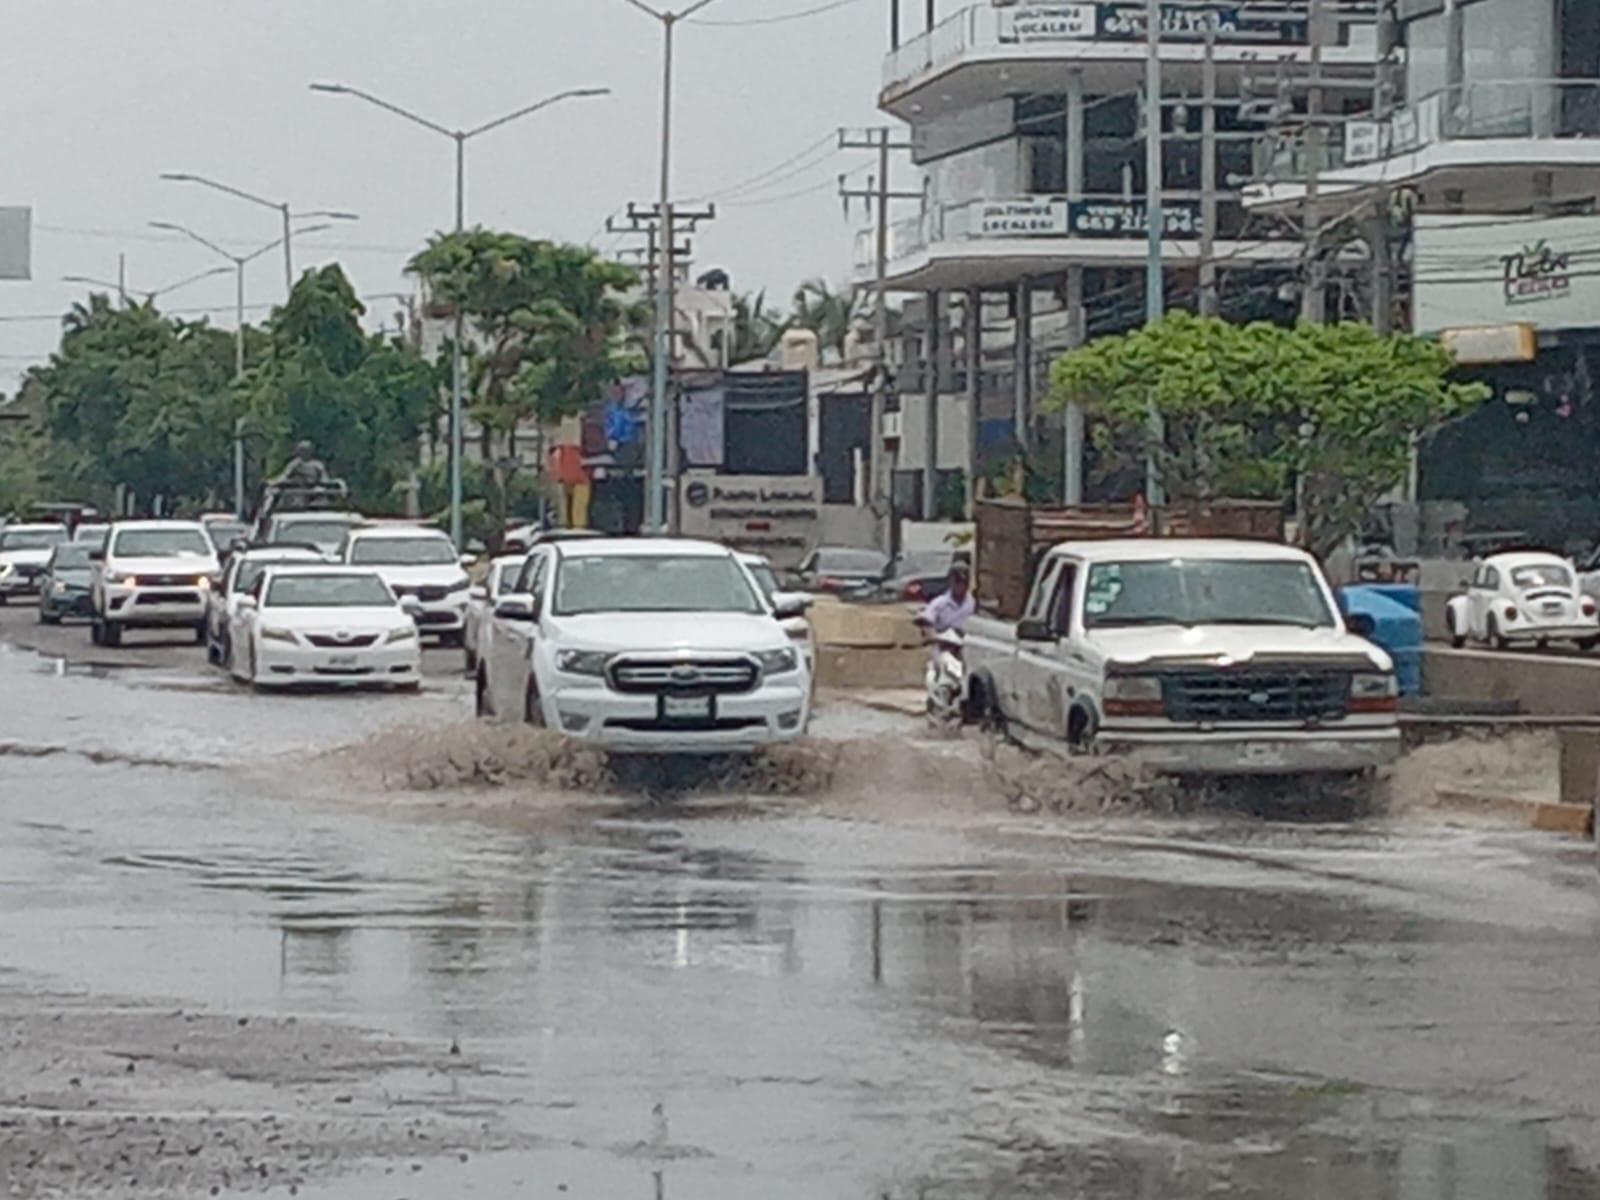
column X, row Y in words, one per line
column 953, row 609
column 304, row 469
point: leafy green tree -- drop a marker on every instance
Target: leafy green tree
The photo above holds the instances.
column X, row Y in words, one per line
column 756, row 328
column 829, row 314
column 549, row 326
column 1262, row 411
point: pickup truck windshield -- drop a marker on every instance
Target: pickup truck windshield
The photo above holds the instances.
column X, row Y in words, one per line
column 647, row 583
column 403, row 552
column 162, row 543
column 31, row 539
column 1204, row 592
column 328, row 591
column 324, row 535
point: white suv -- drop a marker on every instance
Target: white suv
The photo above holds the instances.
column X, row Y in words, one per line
column 152, row 575
column 25, row 557
column 656, row 646
column 418, row 563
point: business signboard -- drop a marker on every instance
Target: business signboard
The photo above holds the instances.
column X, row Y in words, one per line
column 775, row 515
column 16, row 226
column 1030, row 216
column 1474, row 271
column 1048, row 23
column 1131, row 218
column 1126, row 22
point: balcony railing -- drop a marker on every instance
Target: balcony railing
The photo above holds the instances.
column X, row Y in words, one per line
column 984, row 26
column 1520, row 109
column 1045, row 218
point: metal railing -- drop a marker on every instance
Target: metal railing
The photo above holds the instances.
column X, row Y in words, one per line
column 984, row 26
column 1521, row 109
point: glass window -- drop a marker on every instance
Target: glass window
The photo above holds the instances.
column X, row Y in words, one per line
column 69, row 557
column 356, row 590
column 162, row 543
column 1204, row 592
column 31, row 539
column 403, row 551
column 1543, row 575
column 652, row 583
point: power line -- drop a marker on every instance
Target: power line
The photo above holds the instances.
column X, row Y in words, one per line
column 771, row 174
column 776, row 19
column 805, row 191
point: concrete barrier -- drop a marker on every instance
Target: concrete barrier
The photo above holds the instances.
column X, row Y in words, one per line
column 866, row 646
column 1541, row 684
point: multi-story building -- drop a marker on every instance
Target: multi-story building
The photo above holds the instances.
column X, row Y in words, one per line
column 1471, row 194
column 1026, row 121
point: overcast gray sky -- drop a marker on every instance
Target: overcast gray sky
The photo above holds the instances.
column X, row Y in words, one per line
column 100, row 96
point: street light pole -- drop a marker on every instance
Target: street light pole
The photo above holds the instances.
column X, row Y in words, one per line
column 1155, row 217
column 151, row 294
column 656, row 462
column 457, row 361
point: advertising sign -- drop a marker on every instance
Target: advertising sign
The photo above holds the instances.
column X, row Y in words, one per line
column 1128, row 22
column 1131, row 218
column 1047, row 23
column 775, row 515
column 1028, row 217
column 1474, row 271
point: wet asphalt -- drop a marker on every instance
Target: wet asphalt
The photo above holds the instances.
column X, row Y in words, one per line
column 664, row 1001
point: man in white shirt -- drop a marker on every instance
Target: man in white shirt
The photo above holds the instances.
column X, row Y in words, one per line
column 954, row 608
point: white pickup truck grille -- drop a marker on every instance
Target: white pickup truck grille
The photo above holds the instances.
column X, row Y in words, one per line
column 700, row 676
column 1256, row 695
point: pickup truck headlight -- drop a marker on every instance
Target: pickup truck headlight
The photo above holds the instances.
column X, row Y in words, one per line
column 1133, row 696
column 402, row 633
column 778, row 662
column 119, row 577
column 582, row 662
column 1374, row 692
column 5, row 569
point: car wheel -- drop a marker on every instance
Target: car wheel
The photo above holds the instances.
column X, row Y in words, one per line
column 453, row 638
column 46, row 617
column 1081, row 728
column 471, row 660
column 200, row 634
column 4, row 599
column 97, row 631
column 110, row 634
column 1457, row 638
column 1496, row 638
column 482, row 701
column 1588, row 643
column 532, row 709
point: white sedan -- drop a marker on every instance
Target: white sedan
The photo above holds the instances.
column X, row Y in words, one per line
column 339, row 626
column 482, row 599
column 1523, row 597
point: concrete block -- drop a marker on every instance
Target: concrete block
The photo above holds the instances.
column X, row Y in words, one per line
column 1576, row 820
column 863, row 667
column 1541, row 684
column 1580, row 766
column 884, row 627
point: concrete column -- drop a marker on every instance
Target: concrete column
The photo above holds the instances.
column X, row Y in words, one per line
column 1208, row 180
column 1075, row 133
column 1022, row 415
column 1072, row 475
column 972, row 348
column 935, row 381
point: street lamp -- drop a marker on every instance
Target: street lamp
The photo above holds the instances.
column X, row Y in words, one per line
column 149, row 295
column 239, row 261
column 461, row 137
column 281, row 207
column 656, row 463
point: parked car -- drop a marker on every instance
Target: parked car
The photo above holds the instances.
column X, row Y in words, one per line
column 92, row 534
column 238, row 579
column 1206, row 657
column 1523, row 597
column 25, row 556
column 419, row 563
column 481, row 599
column 152, row 575
column 325, row 625
column 797, row 627
column 225, row 531
column 659, row 645
column 917, row 578
column 526, row 537
column 838, row 569
column 65, row 592
column 324, row 530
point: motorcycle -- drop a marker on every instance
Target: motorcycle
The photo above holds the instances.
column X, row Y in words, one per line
column 946, row 682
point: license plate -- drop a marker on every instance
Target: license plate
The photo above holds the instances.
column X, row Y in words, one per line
column 1552, row 609
column 342, row 660
column 1259, row 754
column 686, row 708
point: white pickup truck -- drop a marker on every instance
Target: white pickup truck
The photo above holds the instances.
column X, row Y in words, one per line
column 655, row 645
column 1205, row 657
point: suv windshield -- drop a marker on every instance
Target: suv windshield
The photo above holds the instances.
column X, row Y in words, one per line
column 72, row 556
column 161, row 543
column 403, row 552
column 31, row 539
column 1204, row 592
column 224, row 533
column 244, row 579
column 324, row 535
column 652, row 583
column 360, row 590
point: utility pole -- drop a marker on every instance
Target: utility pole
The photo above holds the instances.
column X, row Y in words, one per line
column 877, row 196
column 1209, row 300
column 1155, row 300
column 1313, row 302
column 1381, row 249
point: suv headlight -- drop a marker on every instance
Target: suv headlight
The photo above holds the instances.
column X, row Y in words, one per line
column 778, row 662
column 1133, row 688
column 1374, row 692
column 458, row 587
column 118, row 577
column 272, row 634
column 582, row 662
column 5, row 569
column 402, row 633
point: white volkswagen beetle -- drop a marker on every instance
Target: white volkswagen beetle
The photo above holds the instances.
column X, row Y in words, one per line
column 1523, row 597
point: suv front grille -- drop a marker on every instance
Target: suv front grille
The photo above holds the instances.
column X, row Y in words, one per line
column 328, row 642
column 167, row 580
column 1256, row 695
column 722, row 677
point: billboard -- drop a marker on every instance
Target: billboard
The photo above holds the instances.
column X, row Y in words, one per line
column 1127, row 21
column 773, row 515
column 1474, row 271
column 16, row 228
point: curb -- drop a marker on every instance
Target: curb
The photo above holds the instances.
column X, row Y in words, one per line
column 1547, row 816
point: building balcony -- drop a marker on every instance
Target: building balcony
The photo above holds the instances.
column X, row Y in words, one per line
column 994, row 242
column 984, row 52
column 1495, row 146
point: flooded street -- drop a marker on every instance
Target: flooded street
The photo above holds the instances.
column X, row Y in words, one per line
column 225, row 968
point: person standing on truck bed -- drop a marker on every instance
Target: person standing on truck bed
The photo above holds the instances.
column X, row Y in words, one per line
column 953, row 609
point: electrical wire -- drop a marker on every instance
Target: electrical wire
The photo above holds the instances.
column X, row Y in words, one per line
column 805, row 191
column 772, row 174
column 776, row 19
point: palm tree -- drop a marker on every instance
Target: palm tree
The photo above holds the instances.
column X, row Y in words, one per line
column 828, row 314
column 755, row 330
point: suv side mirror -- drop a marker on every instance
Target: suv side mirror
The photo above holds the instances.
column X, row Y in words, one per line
column 411, row 606
column 788, row 605
column 1034, row 631
column 517, row 608
column 468, row 560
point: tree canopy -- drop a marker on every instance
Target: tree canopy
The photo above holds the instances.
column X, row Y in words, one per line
column 1262, row 411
